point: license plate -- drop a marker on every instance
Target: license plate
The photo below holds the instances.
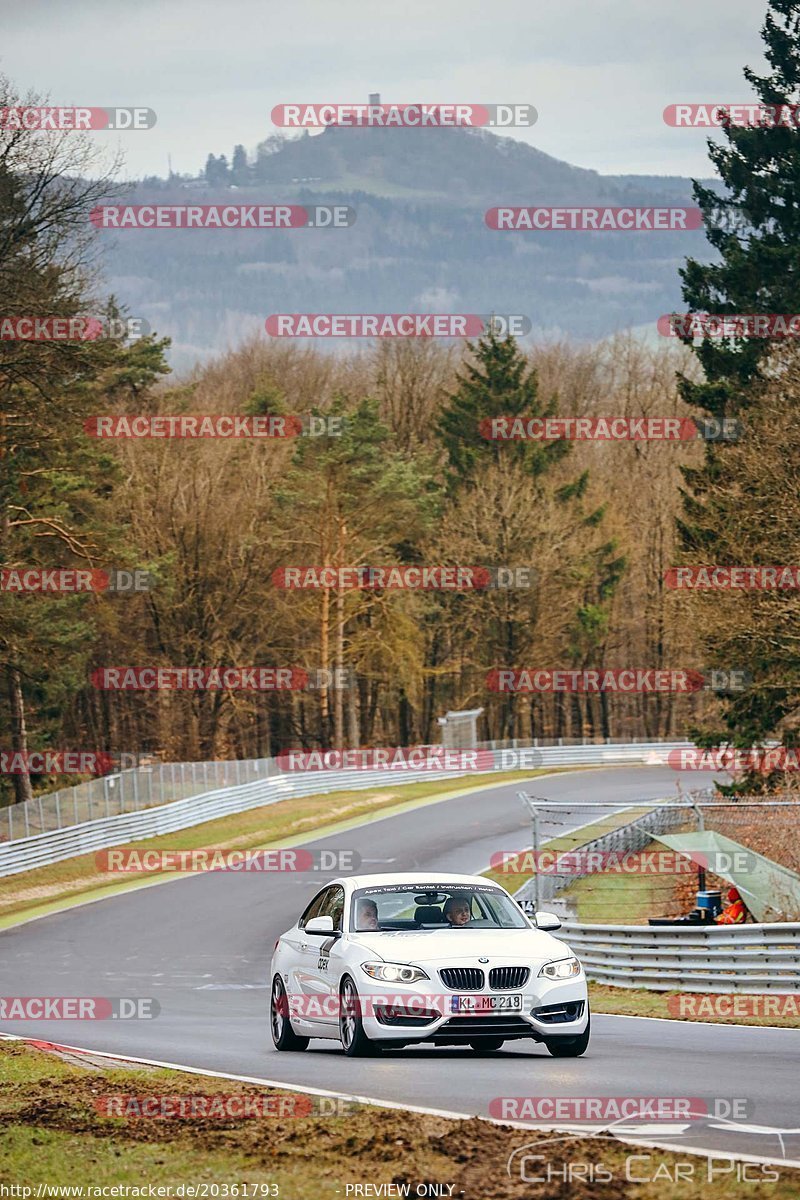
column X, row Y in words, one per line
column 486, row 1004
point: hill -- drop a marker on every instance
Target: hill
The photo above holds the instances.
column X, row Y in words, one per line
column 419, row 242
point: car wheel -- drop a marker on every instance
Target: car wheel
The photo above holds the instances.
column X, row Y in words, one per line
column 568, row 1047
column 355, row 1042
column 486, row 1043
column 283, row 1035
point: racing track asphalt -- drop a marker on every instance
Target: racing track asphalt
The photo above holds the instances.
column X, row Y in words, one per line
column 201, row 946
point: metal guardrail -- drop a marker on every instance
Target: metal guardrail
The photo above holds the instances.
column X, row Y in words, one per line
column 689, row 958
column 150, row 784
column 126, row 791
column 23, row 853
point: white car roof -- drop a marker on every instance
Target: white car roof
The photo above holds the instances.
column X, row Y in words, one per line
column 442, row 878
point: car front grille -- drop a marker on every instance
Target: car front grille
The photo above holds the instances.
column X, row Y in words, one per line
column 462, row 979
column 502, row 979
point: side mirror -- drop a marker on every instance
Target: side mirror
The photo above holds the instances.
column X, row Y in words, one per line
column 546, row 921
column 320, row 926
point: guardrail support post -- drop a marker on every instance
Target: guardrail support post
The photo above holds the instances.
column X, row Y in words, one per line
column 534, row 811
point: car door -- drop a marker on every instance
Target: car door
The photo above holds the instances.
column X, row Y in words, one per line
column 325, row 970
column 303, row 951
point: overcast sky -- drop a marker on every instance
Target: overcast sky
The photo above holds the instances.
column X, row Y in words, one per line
column 600, row 72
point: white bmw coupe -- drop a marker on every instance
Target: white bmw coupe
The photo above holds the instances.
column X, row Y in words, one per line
column 380, row 961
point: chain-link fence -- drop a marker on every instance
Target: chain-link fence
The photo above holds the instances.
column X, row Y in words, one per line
column 127, row 791
column 147, row 786
column 603, row 863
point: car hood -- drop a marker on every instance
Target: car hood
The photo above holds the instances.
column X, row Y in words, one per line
column 453, row 946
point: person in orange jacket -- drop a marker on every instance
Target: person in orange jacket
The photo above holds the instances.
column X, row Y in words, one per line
column 736, row 912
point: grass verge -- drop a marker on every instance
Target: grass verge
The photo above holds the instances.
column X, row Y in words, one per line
column 56, row 1134
column 687, row 1006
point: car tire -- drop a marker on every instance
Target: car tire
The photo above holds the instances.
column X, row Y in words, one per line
column 569, row 1047
column 486, row 1043
column 283, row 1036
column 355, row 1042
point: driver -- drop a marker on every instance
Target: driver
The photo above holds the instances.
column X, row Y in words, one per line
column 457, row 911
column 366, row 915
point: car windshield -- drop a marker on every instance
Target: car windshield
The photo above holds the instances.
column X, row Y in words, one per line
column 395, row 907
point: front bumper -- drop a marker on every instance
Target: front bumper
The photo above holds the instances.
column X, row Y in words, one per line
column 550, row 1009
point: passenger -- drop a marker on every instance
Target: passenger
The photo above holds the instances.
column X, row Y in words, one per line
column 456, row 911
column 366, row 916
column 736, row 912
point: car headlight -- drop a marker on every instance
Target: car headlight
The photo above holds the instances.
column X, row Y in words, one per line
column 393, row 972
column 562, row 968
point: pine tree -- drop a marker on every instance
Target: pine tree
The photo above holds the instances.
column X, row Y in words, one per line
column 754, row 225
column 217, row 172
column 498, row 382
column 239, row 169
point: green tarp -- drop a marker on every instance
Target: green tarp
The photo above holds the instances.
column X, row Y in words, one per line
column 770, row 891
